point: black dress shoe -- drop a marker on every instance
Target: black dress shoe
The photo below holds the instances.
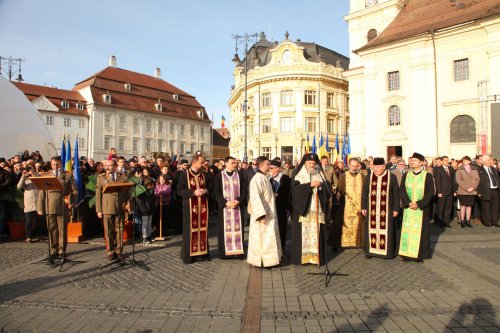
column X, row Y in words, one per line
column 496, row 225
column 368, row 256
column 119, row 256
column 111, row 256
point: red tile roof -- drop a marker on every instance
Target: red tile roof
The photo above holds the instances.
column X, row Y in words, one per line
column 218, row 139
column 144, row 94
column 224, row 132
column 421, row 16
column 56, row 96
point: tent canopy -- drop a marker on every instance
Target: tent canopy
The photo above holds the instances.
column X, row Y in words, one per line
column 21, row 126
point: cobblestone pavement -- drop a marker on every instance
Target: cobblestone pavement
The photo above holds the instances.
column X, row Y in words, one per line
column 458, row 290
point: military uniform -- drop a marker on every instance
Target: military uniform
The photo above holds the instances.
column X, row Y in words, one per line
column 57, row 213
column 111, row 206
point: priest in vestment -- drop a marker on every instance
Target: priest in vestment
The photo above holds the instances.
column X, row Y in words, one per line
column 380, row 206
column 229, row 189
column 310, row 202
column 193, row 189
column 349, row 193
column 417, row 191
column 264, row 246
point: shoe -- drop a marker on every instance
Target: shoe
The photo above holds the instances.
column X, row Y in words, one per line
column 448, row 225
column 367, row 256
column 111, row 256
column 468, row 224
column 496, row 225
column 29, row 240
column 487, row 225
column 146, row 241
column 119, row 256
column 463, row 223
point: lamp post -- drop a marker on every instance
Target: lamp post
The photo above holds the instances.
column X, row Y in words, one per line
column 9, row 63
column 245, row 39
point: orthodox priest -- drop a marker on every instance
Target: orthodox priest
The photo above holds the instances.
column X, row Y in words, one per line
column 310, row 197
column 380, row 205
column 264, row 247
column 228, row 188
column 417, row 192
column 193, row 189
column 349, row 193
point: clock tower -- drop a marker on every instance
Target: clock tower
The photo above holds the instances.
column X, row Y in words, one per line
column 367, row 19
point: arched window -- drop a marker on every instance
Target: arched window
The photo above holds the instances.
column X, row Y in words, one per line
column 463, row 130
column 394, row 116
column 372, row 33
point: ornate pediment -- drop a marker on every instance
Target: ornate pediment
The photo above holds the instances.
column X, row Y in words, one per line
column 43, row 103
column 394, row 135
column 393, row 99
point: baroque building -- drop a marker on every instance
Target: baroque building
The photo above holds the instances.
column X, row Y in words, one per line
column 294, row 89
column 428, row 85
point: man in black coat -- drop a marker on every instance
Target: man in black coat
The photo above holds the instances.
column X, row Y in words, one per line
column 6, row 185
column 446, row 189
column 177, row 199
column 488, row 192
column 281, row 187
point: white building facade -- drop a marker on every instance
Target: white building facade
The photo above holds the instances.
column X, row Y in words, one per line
column 423, row 85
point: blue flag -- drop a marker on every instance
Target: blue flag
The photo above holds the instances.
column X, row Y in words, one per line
column 327, row 146
column 337, row 144
column 77, row 173
column 314, row 144
column 348, row 151
column 63, row 152
column 344, row 150
column 67, row 163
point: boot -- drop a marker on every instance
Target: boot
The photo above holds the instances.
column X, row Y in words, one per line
column 469, row 224
column 463, row 223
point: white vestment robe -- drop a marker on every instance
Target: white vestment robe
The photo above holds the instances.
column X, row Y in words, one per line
column 264, row 245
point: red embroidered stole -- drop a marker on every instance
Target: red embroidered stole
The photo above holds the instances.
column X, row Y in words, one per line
column 379, row 213
column 199, row 216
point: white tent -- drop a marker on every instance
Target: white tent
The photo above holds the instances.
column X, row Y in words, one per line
column 21, row 126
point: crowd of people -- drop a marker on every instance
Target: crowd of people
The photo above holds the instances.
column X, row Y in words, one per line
column 382, row 206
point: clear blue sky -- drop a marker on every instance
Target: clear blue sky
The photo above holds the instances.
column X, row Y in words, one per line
column 65, row 41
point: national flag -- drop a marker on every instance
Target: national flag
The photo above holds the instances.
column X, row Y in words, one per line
column 313, row 150
column 77, row 173
column 68, row 163
column 222, row 122
column 336, row 150
column 348, row 151
column 344, row 150
column 307, row 146
column 322, row 149
column 63, row 152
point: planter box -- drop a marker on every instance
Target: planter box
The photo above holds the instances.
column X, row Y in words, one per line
column 75, row 232
column 16, row 229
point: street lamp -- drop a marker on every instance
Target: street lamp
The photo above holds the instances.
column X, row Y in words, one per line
column 9, row 62
column 245, row 39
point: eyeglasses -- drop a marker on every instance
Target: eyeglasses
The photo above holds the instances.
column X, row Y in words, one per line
column 254, row 163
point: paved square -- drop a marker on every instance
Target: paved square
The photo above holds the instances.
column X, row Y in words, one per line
column 458, row 290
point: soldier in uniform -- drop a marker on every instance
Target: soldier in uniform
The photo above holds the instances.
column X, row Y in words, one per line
column 110, row 206
column 57, row 213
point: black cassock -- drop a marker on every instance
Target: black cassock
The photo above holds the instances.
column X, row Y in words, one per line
column 424, row 204
column 185, row 192
column 391, row 241
column 283, row 204
column 221, row 203
column 301, row 202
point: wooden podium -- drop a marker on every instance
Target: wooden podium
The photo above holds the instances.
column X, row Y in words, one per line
column 117, row 187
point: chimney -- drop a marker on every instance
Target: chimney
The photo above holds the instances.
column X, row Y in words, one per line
column 262, row 35
column 157, row 73
column 112, row 61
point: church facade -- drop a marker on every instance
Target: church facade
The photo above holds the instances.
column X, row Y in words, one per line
column 425, row 85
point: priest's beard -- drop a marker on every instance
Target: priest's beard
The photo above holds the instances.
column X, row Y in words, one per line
column 312, row 171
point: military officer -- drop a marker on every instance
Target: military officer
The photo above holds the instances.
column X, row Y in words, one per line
column 110, row 207
column 54, row 207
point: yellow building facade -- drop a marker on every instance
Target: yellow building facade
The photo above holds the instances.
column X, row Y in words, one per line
column 295, row 89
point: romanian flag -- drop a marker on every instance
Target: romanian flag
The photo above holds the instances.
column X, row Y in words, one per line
column 68, row 163
column 322, row 148
column 222, row 122
column 307, row 147
column 336, row 149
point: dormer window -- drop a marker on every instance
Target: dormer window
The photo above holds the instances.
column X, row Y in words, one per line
column 158, row 106
column 176, row 97
column 200, row 114
column 128, row 86
column 80, row 106
column 106, row 98
column 65, row 104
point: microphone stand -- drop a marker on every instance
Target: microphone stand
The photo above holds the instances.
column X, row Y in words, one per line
column 327, row 273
